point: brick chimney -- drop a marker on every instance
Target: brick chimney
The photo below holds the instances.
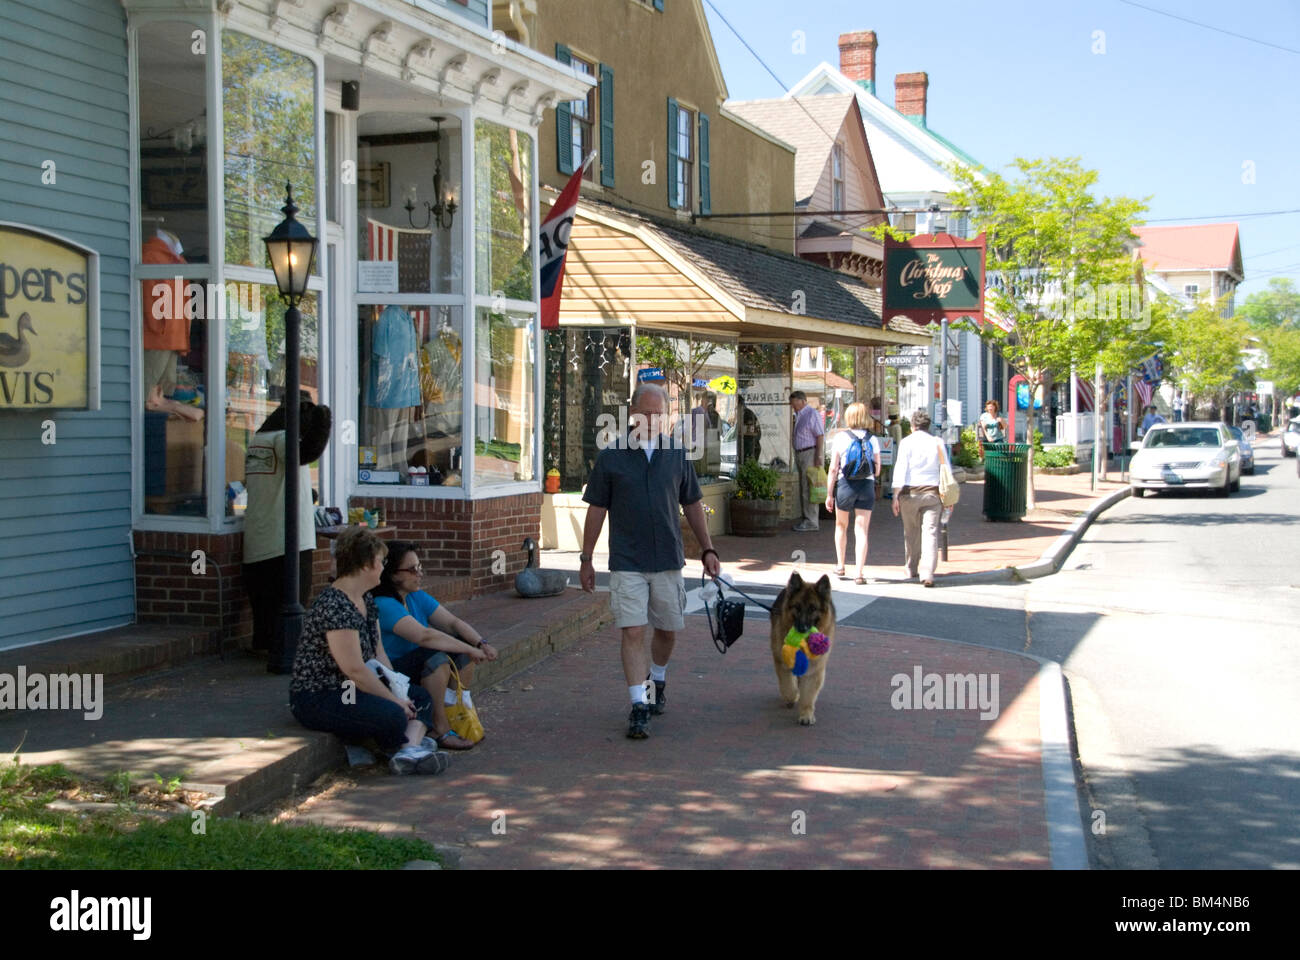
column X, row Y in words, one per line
column 858, row 58
column 909, row 95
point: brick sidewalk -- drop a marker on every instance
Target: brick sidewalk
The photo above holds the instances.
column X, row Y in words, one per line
column 720, row 781
column 974, row 544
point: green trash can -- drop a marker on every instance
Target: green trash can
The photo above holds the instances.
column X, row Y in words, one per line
column 1006, row 474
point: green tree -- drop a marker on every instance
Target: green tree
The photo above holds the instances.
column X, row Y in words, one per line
column 1204, row 349
column 1278, row 306
column 1282, row 348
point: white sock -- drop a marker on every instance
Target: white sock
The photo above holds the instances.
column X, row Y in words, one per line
column 449, row 698
column 658, row 673
column 466, row 700
column 637, row 692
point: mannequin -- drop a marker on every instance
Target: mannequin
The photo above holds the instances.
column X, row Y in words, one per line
column 166, row 329
column 394, row 386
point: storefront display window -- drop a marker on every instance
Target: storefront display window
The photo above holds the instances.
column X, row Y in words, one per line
column 763, row 379
column 410, row 394
column 172, row 263
column 269, row 123
column 255, row 371
column 588, row 375
column 408, row 238
column 503, row 261
column 503, row 396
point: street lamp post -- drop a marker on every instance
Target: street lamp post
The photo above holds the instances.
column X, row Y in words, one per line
column 291, row 249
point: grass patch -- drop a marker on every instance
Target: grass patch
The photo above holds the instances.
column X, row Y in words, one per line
column 34, row 837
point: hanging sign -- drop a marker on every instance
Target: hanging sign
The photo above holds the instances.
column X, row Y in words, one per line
column 650, row 373
column 929, row 278
column 49, row 321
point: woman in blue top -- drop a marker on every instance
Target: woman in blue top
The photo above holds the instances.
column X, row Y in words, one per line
column 423, row 638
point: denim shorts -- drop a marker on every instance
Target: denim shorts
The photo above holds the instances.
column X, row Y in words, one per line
column 855, row 494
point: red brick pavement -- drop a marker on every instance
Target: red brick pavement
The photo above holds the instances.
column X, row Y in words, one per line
column 725, row 771
column 974, row 544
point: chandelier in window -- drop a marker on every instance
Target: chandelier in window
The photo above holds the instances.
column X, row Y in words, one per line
column 443, row 208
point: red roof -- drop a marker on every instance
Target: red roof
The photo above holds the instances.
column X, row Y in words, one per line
column 1206, row 246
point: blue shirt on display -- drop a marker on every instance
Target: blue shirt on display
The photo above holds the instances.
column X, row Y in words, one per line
column 419, row 605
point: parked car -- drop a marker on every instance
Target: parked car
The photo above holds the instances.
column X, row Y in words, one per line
column 1291, row 438
column 1247, row 450
column 1191, row 455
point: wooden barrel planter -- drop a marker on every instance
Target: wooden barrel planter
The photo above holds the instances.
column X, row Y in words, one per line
column 755, row 518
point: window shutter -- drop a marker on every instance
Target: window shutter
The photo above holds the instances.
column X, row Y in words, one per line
column 606, row 125
column 563, row 121
column 672, row 154
column 706, row 203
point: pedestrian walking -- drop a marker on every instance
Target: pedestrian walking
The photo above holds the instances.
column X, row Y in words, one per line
column 264, row 467
column 916, row 483
column 641, row 482
column 809, row 436
column 851, row 485
column 1150, row 420
column 993, row 429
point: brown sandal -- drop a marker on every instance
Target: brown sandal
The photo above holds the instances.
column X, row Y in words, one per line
column 453, row 741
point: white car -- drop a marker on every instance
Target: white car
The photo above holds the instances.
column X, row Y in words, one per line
column 1195, row 455
column 1291, row 438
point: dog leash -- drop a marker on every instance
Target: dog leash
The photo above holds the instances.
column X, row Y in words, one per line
column 721, row 583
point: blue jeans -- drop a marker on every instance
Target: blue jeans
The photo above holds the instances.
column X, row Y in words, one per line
column 422, row 661
column 370, row 717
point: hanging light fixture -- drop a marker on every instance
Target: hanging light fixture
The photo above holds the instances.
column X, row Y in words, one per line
column 443, row 208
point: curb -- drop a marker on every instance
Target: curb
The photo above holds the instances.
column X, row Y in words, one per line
column 1052, row 560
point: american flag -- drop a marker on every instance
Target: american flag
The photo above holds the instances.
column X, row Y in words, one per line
column 385, row 243
column 1083, row 396
column 1144, row 391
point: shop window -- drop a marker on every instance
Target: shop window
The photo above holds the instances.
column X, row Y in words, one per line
column 503, row 238
column 763, row 382
column 172, row 265
column 269, row 121
column 411, row 380
column 255, row 371
column 588, row 376
column 503, row 399
column 409, row 220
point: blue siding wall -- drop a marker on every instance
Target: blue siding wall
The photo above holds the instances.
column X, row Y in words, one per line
column 65, row 509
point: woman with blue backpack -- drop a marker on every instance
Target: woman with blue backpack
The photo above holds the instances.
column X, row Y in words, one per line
column 851, row 485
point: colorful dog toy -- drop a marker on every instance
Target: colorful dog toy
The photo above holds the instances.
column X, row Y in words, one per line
column 801, row 648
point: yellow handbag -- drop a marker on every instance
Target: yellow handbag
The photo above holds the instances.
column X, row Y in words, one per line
column 462, row 716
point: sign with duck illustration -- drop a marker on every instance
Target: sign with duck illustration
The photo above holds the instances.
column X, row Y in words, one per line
column 49, row 321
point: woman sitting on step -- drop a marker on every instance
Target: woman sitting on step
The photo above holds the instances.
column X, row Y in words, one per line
column 424, row 638
column 333, row 689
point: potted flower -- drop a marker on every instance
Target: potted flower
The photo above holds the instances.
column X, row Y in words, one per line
column 756, row 506
column 552, row 484
column 690, row 543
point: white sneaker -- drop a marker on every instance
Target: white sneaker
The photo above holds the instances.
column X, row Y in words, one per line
column 405, row 761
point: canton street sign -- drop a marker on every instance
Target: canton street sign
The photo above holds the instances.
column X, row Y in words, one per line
column 903, row 360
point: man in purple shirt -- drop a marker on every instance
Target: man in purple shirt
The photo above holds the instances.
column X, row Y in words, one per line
column 808, row 439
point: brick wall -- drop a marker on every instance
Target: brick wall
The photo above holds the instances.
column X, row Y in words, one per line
column 168, row 590
column 457, row 538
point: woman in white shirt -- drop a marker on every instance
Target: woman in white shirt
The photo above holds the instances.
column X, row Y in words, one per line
column 849, row 493
column 916, row 485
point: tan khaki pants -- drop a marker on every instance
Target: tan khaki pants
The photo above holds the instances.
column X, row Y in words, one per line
column 921, row 513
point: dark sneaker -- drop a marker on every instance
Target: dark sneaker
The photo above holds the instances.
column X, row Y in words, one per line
column 638, row 721
column 434, row 762
column 660, row 701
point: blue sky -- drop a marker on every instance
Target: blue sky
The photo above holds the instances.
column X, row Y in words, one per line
column 1170, row 110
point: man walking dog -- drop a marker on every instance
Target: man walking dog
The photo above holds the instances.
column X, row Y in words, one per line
column 640, row 481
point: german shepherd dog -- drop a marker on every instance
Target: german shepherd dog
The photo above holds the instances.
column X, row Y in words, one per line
column 804, row 606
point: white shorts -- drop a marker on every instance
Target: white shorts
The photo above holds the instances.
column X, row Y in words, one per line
column 637, row 598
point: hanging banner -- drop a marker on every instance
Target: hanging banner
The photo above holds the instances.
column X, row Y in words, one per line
column 929, row 278
column 49, row 321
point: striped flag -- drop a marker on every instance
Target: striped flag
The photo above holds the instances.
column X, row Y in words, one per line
column 553, row 244
column 385, row 243
column 1083, row 397
column 1144, row 391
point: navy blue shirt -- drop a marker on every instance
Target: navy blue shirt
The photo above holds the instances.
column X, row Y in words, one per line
column 645, row 533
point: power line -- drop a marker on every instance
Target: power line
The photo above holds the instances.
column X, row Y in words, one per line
column 1222, row 216
column 1197, row 23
